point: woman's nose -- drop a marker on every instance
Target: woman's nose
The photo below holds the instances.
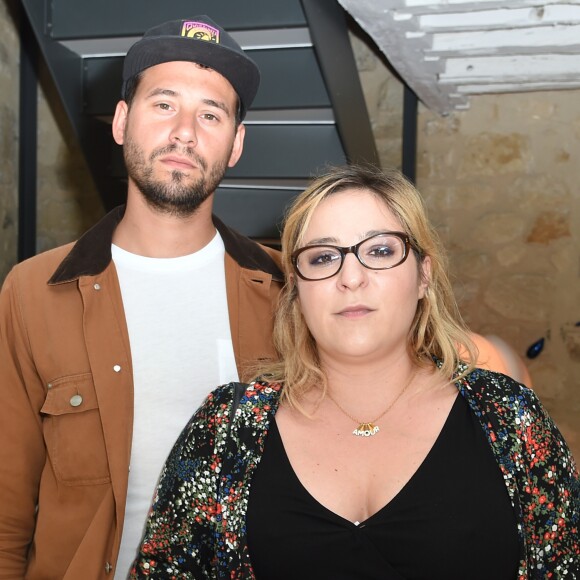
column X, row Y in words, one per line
column 352, row 274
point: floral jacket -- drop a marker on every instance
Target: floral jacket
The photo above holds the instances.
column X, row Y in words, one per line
column 197, row 525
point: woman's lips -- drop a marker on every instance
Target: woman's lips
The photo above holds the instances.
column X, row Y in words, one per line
column 356, row 311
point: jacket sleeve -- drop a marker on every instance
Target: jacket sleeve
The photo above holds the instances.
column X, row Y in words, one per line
column 22, row 450
column 549, row 493
column 179, row 540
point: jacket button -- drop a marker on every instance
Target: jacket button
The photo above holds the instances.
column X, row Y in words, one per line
column 76, row 400
column 108, row 568
column 117, row 368
column 97, row 286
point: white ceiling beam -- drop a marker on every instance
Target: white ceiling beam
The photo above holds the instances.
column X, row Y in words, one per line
column 434, row 6
column 500, row 19
column 513, row 69
column 525, row 40
column 528, row 86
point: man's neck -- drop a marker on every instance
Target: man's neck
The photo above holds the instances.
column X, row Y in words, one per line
column 147, row 232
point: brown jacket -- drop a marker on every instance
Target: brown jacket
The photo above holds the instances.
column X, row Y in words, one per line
column 66, row 404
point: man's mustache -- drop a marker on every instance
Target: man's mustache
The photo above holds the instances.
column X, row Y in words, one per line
column 183, row 151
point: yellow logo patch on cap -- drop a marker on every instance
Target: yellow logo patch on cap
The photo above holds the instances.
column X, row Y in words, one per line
column 200, row 31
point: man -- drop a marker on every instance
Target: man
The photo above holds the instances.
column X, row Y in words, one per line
column 108, row 345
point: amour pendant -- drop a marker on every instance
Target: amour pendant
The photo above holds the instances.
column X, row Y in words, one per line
column 366, row 430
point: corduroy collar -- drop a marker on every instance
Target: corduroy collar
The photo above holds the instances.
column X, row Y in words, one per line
column 91, row 254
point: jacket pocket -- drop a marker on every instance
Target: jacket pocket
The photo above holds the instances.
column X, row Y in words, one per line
column 73, row 431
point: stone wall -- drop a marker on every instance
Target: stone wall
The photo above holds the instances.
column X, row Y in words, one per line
column 9, row 94
column 68, row 202
column 501, row 182
column 67, row 199
column 384, row 99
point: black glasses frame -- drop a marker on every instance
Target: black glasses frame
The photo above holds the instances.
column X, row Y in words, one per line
column 344, row 250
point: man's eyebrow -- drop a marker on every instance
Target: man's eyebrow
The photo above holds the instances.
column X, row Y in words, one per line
column 218, row 104
column 165, row 92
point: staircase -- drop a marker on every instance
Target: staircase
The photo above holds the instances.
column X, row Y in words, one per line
column 309, row 110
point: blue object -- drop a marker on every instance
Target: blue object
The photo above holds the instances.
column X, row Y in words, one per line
column 535, row 349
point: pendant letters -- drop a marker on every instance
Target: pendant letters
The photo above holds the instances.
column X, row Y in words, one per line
column 366, row 430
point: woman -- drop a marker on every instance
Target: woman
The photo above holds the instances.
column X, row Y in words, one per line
column 371, row 450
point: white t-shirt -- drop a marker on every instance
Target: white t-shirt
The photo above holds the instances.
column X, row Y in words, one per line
column 181, row 349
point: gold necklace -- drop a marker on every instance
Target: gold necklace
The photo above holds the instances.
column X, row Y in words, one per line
column 368, row 428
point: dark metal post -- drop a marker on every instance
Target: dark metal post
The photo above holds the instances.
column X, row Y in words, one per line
column 27, row 166
column 329, row 31
column 409, row 162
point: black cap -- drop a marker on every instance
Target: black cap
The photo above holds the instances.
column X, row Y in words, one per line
column 199, row 40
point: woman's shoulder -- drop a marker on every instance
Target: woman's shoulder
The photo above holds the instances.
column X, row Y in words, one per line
column 496, row 385
column 257, row 395
column 514, row 412
column 254, row 391
column 497, row 391
column 253, row 402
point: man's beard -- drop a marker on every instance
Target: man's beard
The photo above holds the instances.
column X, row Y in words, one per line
column 172, row 197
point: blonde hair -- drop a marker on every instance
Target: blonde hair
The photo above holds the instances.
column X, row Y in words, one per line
column 437, row 331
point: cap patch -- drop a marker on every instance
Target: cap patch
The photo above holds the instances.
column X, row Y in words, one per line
column 200, row 31
column 215, row 48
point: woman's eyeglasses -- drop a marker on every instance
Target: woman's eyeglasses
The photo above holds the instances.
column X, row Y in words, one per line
column 381, row 251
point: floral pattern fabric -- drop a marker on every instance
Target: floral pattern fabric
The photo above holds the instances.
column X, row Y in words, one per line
column 197, row 525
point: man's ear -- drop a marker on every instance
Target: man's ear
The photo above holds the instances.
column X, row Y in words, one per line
column 425, row 276
column 238, row 145
column 120, row 122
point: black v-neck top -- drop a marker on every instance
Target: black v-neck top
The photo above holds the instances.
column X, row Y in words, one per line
column 453, row 519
